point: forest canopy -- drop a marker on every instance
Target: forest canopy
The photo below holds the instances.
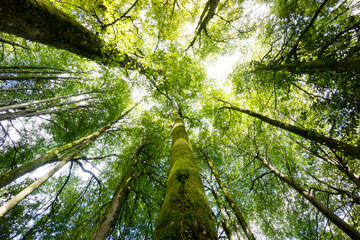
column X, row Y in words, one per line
column 180, row 119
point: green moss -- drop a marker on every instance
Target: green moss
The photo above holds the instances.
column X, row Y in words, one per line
column 182, row 175
column 185, row 213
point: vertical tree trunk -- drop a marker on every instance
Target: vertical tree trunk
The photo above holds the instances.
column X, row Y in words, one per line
column 350, row 231
column 185, row 213
column 232, row 203
column 347, row 149
column 24, row 193
column 118, row 199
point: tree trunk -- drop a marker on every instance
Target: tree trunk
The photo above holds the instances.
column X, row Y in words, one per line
column 294, row 48
column 30, row 112
column 232, row 203
column 118, row 199
column 350, row 231
column 47, row 158
column 225, row 223
column 347, row 149
column 24, row 193
column 26, row 104
column 185, row 213
column 40, row 21
column 33, row 78
column 316, row 66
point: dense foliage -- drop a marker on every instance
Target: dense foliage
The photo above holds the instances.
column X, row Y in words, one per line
column 296, row 62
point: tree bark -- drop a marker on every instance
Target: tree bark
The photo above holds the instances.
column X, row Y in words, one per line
column 185, row 213
column 232, row 203
column 40, row 21
column 294, row 48
column 30, row 112
column 33, row 78
column 316, row 66
column 26, row 104
column 225, row 223
column 118, row 199
column 350, row 231
column 347, row 149
column 24, row 193
column 49, row 157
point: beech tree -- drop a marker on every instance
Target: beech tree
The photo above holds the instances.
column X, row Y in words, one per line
column 267, row 150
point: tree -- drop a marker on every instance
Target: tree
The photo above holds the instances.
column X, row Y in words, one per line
column 185, row 213
column 284, row 161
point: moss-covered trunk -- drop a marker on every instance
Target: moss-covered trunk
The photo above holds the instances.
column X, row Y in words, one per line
column 185, row 213
column 40, row 21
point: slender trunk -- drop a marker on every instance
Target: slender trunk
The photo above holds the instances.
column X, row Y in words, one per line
column 209, row 11
column 30, row 112
column 40, row 113
column 225, row 223
column 20, row 89
column 337, row 162
column 32, row 78
column 24, row 193
column 347, row 149
column 232, row 203
column 185, row 213
column 26, row 104
column 118, row 199
column 316, row 66
column 350, row 231
column 294, row 48
column 233, row 224
column 57, row 29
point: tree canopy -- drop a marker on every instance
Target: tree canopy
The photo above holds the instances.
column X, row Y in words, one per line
column 113, row 127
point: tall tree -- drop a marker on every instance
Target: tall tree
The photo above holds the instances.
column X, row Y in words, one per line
column 118, row 199
column 82, row 144
column 297, row 62
column 57, row 29
column 185, row 213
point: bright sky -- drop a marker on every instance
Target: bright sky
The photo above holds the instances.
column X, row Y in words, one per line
column 222, row 67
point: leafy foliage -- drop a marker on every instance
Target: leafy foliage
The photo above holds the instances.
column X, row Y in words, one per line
column 298, row 63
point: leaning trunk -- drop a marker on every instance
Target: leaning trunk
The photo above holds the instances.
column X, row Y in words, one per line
column 316, row 66
column 185, row 213
column 347, row 149
column 350, row 231
column 225, row 223
column 49, row 157
column 27, row 104
column 232, row 204
column 118, row 199
column 24, row 193
column 40, row 21
column 31, row 112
